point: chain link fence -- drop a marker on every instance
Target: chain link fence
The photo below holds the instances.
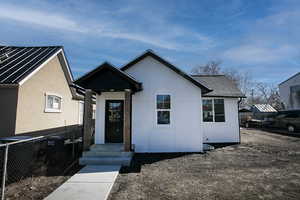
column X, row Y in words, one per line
column 26, row 160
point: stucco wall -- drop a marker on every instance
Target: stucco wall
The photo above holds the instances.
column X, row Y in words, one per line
column 224, row 132
column 284, row 90
column 31, row 101
column 8, row 108
column 185, row 132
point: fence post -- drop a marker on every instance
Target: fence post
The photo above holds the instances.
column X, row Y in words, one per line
column 87, row 120
column 4, row 171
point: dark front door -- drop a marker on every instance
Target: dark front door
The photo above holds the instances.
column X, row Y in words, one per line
column 114, row 121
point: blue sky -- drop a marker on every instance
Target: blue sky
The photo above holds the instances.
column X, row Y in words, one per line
column 261, row 37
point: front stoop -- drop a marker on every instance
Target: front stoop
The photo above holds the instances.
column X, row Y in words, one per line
column 106, row 154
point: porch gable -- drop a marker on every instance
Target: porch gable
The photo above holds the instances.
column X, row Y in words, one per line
column 107, row 78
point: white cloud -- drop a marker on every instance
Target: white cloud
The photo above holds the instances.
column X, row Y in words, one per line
column 140, row 38
column 256, row 54
column 163, row 34
column 40, row 18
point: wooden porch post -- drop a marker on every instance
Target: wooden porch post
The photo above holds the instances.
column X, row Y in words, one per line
column 127, row 121
column 87, row 123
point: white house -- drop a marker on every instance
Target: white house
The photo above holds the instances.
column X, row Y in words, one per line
column 290, row 92
column 150, row 105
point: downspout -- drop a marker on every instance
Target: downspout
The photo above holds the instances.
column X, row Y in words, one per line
column 238, row 104
column 131, row 147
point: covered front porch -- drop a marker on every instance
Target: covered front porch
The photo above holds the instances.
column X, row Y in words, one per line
column 113, row 90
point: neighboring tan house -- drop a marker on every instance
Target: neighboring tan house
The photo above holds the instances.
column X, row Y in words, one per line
column 149, row 105
column 290, row 92
column 35, row 92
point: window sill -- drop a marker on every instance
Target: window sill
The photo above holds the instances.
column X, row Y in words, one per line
column 163, row 126
column 52, row 111
column 214, row 122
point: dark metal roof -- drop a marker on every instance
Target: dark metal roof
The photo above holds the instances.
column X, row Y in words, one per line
column 205, row 88
column 220, row 84
column 106, row 77
column 18, row 62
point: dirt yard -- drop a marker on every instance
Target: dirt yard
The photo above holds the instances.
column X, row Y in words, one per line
column 264, row 166
column 38, row 187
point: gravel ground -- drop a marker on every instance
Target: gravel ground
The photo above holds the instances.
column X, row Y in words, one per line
column 263, row 166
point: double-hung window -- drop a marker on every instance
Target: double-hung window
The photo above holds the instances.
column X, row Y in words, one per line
column 163, row 109
column 53, row 103
column 213, row 110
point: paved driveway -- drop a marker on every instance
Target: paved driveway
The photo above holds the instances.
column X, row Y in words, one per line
column 264, row 166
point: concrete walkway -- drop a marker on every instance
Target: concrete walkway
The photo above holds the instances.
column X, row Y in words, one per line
column 90, row 183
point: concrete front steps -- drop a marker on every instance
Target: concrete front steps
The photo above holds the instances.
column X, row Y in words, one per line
column 106, row 154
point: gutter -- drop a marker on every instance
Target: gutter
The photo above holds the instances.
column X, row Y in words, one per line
column 9, row 85
column 238, row 104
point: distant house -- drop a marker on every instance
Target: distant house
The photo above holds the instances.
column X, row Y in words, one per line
column 35, row 92
column 262, row 111
column 245, row 113
column 152, row 106
column 290, row 92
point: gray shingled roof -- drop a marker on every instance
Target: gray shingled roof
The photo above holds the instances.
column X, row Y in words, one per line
column 18, row 62
column 220, row 84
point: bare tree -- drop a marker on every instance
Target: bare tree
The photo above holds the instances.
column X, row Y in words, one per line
column 242, row 80
column 257, row 93
column 269, row 94
column 211, row 68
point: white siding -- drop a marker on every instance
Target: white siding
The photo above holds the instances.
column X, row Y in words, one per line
column 222, row 132
column 284, row 90
column 185, row 132
column 100, row 113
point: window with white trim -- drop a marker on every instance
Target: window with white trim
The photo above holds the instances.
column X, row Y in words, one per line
column 53, row 103
column 163, row 108
column 213, row 110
